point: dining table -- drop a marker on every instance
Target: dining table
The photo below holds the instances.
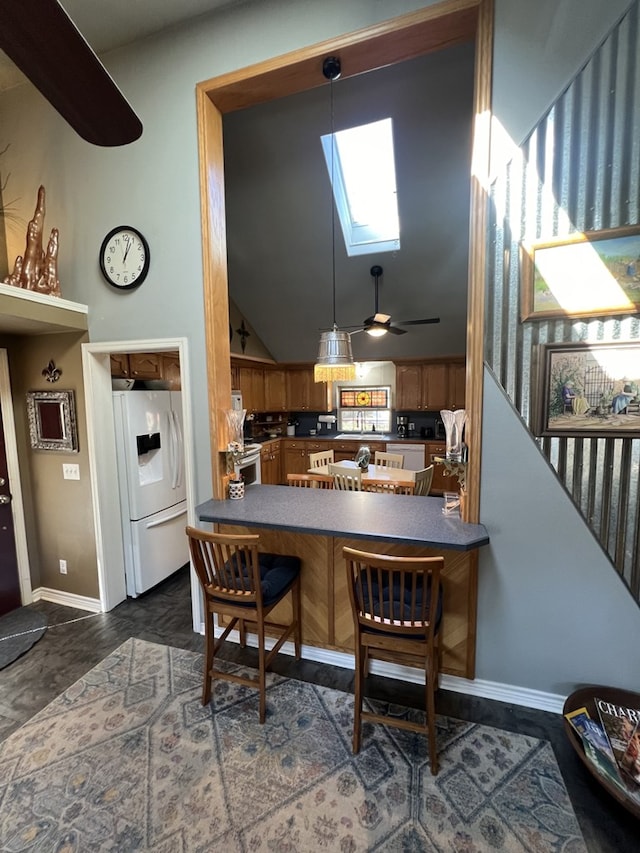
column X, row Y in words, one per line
column 373, row 472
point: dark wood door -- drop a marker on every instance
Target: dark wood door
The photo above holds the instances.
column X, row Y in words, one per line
column 9, row 579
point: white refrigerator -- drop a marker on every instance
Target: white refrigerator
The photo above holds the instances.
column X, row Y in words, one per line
column 150, row 454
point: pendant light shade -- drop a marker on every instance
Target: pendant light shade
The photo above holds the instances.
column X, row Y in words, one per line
column 335, row 359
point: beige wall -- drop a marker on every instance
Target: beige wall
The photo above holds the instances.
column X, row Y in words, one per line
column 59, row 513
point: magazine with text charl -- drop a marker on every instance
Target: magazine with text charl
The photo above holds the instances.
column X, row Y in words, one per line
column 622, row 727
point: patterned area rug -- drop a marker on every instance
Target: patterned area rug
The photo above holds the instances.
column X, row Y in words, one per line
column 19, row 630
column 127, row 759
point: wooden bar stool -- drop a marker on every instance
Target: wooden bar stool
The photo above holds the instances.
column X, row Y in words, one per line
column 397, row 609
column 244, row 585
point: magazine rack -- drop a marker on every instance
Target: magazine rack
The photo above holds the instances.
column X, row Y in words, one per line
column 585, row 698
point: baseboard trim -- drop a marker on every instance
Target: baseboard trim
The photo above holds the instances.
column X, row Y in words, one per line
column 68, row 599
column 511, row 694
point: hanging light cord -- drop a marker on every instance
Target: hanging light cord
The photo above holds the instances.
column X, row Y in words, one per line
column 331, row 69
column 333, row 207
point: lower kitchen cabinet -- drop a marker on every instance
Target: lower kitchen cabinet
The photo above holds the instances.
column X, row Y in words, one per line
column 347, row 450
column 270, row 456
column 441, row 483
column 296, row 455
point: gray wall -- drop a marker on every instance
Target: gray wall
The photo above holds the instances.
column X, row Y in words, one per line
column 550, row 611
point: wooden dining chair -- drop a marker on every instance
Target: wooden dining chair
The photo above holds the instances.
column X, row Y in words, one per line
column 346, row 479
column 405, row 487
column 388, row 487
column 321, row 458
column 396, row 604
column 388, row 460
column 244, row 585
column 310, row 481
column 423, row 480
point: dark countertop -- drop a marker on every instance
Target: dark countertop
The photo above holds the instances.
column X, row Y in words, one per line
column 370, row 436
column 403, row 519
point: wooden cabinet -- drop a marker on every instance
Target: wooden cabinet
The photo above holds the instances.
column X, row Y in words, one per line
column 430, row 386
column 270, row 463
column 440, row 482
column 145, row 365
column 346, row 450
column 275, row 391
column 409, row 387
column 148, row 365
column 170, row 369
column 305, row 395
column 435, row 387
column 295, row 459
column 251, row 383
column 120, row 365
column 457, row 385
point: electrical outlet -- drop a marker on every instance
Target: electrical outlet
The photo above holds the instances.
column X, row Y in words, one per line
column 63, row 567
column 70, row 471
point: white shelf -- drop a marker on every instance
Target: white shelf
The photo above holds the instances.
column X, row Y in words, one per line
column 25, row 312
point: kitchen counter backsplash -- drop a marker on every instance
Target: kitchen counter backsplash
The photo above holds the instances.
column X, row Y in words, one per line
column 424, row 425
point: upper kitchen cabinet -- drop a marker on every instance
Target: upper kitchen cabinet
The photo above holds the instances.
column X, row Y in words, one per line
column 430, row 386
column 251, row 383
column 148, row 365
column 275, row 390
column 145, row 365
column 303, row 394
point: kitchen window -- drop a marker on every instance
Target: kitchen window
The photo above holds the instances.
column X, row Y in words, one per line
column 364, row 409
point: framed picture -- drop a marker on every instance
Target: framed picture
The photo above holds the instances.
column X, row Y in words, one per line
column 52, row 421
column 586, row 274
column 589, row 390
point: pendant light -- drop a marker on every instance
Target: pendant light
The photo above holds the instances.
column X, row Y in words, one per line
column 335, row 359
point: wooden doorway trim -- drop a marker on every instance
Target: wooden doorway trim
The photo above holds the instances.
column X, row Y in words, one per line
column 433, row 28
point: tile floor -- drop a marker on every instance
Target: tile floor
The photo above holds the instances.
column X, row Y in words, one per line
column 75, row 642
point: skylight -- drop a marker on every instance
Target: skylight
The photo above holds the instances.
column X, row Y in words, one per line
column 364, row 187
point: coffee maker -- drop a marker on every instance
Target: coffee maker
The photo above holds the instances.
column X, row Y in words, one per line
column 401, row 426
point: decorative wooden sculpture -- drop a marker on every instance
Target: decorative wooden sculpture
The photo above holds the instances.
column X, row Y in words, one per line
column 37, row 270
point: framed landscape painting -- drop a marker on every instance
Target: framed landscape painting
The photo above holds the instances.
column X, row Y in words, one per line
column 586, row 274
column 589, row 390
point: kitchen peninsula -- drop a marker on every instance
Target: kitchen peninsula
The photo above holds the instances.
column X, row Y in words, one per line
column 315, row 525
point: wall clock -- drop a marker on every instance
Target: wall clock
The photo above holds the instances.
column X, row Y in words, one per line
column 124, row 257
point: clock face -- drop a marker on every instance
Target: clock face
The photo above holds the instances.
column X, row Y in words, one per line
column 124, row 258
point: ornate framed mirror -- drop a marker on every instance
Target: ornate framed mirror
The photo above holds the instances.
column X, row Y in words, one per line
column 52, row 421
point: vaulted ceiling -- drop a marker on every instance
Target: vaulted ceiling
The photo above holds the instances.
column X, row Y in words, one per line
column 279, row 220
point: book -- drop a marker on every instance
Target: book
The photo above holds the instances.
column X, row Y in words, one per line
column 620, row 725
column 592, row 735
column 630, row 761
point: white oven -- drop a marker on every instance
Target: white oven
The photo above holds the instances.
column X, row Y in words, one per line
column 248, row 465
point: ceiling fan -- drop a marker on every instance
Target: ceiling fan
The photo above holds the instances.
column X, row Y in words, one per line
column 45, row 44
column 379, row 324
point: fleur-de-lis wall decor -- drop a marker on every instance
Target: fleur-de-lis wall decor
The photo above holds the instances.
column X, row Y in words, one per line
column 52, row 373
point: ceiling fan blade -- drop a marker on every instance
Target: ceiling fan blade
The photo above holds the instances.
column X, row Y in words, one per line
column 45, row 44
column 419, row 322
column 396, row 331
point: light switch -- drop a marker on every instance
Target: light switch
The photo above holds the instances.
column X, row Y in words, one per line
column 70, row 471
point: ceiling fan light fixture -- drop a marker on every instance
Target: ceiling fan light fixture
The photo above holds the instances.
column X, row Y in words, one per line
column 376, row 331
column 335, row 359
